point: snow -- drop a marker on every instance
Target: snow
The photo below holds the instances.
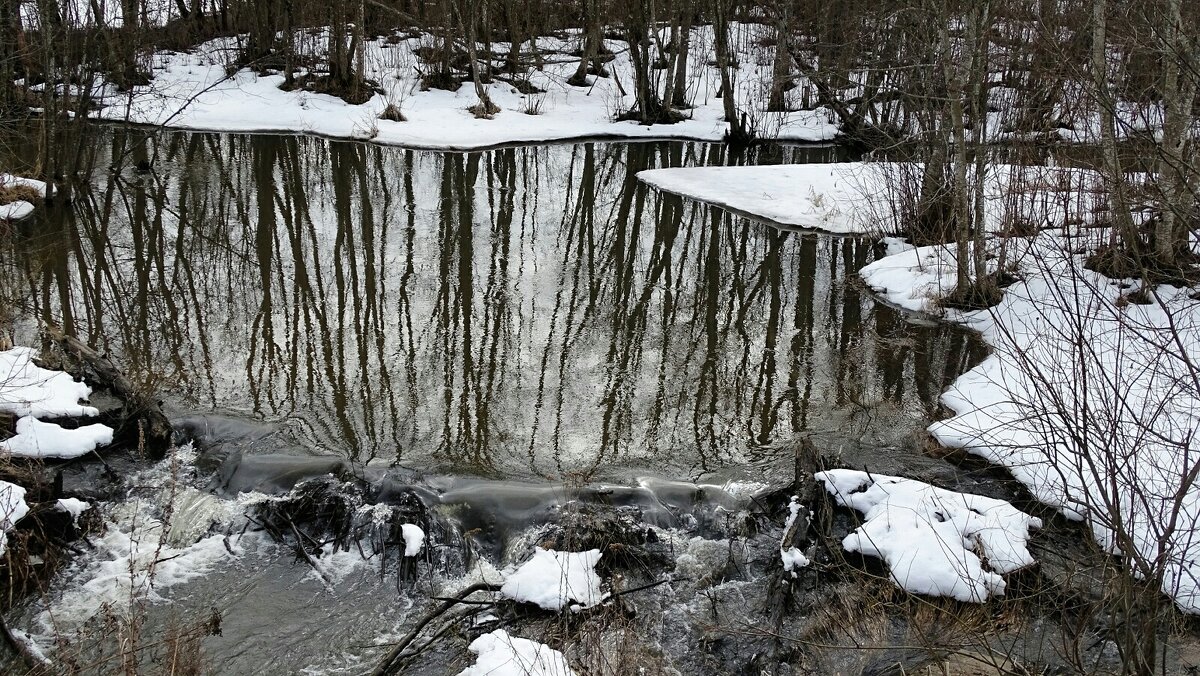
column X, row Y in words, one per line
column 73, row 506
column 856, row 197
column 935, row 541
column 15, row 211
column 502, row 655
column 18, row 209
column 554, row 579
column 793, row 559
column 12, row 510
column 26, row 389
column 1088, row 399
column 914, row 279
column 12, row 181
column 414, row 539
column 828, row 197
column 192, row 91
column 37, row 439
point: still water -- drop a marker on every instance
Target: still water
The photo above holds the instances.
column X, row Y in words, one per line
column 522, row 312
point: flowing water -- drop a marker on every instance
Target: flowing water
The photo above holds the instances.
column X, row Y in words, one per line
column 500, row 331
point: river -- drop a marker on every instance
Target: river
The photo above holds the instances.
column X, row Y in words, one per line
column 503, row 330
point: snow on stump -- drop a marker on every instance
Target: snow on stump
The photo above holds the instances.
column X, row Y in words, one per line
column 12, row 510
column 552, row 580
column 934, row 541
column 504, row 655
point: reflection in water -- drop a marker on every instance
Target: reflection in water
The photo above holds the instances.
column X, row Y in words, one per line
column 526, row 311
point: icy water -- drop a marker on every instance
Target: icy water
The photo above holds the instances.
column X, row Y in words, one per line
column 499, row 333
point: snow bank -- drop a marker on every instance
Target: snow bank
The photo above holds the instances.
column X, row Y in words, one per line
column 11, row 181
column 26, row 389
column 15, row 211
column 12, row 510
column 192, row 91
column 553, row 580
column 504, row 655
column 828, row 197
column 935, row 541
column 856, row 197
column 37, row 439
column 1090, row 401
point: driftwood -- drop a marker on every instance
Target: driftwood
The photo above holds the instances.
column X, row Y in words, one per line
column 390, row 661
column 150, row 428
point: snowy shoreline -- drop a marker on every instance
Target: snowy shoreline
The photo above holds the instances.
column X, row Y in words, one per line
column 1085, row 396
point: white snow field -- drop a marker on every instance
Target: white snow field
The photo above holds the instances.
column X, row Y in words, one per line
column 32, row 392
column 827, row 197
column 1090, row 400
column 502, row 655
column 192, row 91
column 935, row 541
column 554, row 580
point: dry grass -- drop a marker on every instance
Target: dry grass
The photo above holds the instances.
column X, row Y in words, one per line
column 392, row 113
column 19, row 193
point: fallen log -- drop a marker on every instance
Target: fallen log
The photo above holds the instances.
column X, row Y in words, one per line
column 143, row 421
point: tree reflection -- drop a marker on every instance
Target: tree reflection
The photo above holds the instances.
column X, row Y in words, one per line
column 524, row 310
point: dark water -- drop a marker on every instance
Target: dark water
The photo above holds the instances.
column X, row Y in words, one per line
column 523, row 312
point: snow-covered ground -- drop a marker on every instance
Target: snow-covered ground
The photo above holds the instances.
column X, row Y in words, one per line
column 192, row 91
column 18, row 209
column 1090, row 398
column 857, row 197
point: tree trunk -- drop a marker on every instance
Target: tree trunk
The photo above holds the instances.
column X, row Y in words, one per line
column 781, row 68
column 1177, row 203
column 1118, row 206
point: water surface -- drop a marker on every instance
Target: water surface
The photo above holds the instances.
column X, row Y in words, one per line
column 524, row 312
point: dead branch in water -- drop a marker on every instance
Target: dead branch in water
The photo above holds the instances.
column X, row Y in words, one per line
column 388, row 663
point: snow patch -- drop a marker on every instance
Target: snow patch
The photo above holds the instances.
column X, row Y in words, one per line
column 73, row 506
column 414, row 539
column 502, row 655
column 12, row 510
column 930, row 536
column 793, row 558
column 37, row 439
column 26, row 389
column 554, row 579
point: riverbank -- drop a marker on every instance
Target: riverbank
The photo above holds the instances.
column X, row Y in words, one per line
column 1089, row 397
